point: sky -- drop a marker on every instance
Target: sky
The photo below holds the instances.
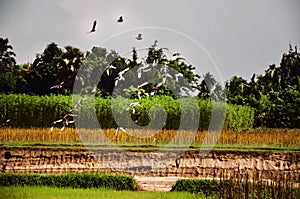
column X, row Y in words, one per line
column 226, row 38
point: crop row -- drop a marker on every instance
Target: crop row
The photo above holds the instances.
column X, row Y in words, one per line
column 162, row 112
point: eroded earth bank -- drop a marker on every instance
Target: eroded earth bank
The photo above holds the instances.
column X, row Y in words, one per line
column 166, row 163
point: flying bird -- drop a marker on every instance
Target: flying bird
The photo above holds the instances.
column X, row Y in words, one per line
column 139, row 92
column 93, row 28
column 132, row 105
column 120, row 76
column 177, row 76
column 142, row 69
column 117, row 130
column 176, row 54
column 120, row 20
column 79, row 102
column 155, row 88
column 58, row 86
column 139, row 37
column 108, row 68
column 5, row 123
column 65, row 121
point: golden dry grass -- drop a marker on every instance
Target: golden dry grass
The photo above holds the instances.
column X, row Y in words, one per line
column 267, row 137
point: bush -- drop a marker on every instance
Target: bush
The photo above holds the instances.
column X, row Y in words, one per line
column 86, row 180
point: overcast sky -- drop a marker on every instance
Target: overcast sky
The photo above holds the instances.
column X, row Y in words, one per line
column 227, row 38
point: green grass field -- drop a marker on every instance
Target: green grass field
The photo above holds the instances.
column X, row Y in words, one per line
column 50, row 192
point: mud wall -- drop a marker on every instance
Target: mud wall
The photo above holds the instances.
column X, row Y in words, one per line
column 157, row 163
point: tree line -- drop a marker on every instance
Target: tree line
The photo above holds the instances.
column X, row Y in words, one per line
column 274, row 94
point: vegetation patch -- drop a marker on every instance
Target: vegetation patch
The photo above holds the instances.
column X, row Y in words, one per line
column 85, row 180
column 241, row 185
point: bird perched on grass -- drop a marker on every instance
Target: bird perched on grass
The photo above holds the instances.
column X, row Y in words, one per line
column 120, row 20
column 93, row 28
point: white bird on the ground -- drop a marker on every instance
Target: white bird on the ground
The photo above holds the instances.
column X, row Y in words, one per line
column 132, row 105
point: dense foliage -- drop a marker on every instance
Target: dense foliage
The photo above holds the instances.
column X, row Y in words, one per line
column 274, row 95
column 41, row 111
column 85, row 180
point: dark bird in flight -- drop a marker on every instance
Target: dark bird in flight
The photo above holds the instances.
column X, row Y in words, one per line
column 94, row 27
column 139, row 37
column 176, row 54
column 120, row 20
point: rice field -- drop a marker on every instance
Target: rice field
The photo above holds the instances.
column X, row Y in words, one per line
column 263, row 138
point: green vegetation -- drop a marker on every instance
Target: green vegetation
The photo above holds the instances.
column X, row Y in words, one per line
column 41, row 111
column 274, row 95
column 85, row 180
column 52, row 192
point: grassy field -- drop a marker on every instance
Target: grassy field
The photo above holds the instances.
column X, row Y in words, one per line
column 265, row 139
column 50, row 192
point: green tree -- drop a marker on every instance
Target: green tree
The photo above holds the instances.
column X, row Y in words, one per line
column 7, row 57
column 52, row 67
column 7, row 67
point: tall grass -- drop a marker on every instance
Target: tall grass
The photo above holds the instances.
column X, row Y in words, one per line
column 41, row 111
column 241, row 185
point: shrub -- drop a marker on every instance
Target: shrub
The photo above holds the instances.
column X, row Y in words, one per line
column 85, row 180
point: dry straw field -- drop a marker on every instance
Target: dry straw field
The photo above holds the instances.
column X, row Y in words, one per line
column 277, row 138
